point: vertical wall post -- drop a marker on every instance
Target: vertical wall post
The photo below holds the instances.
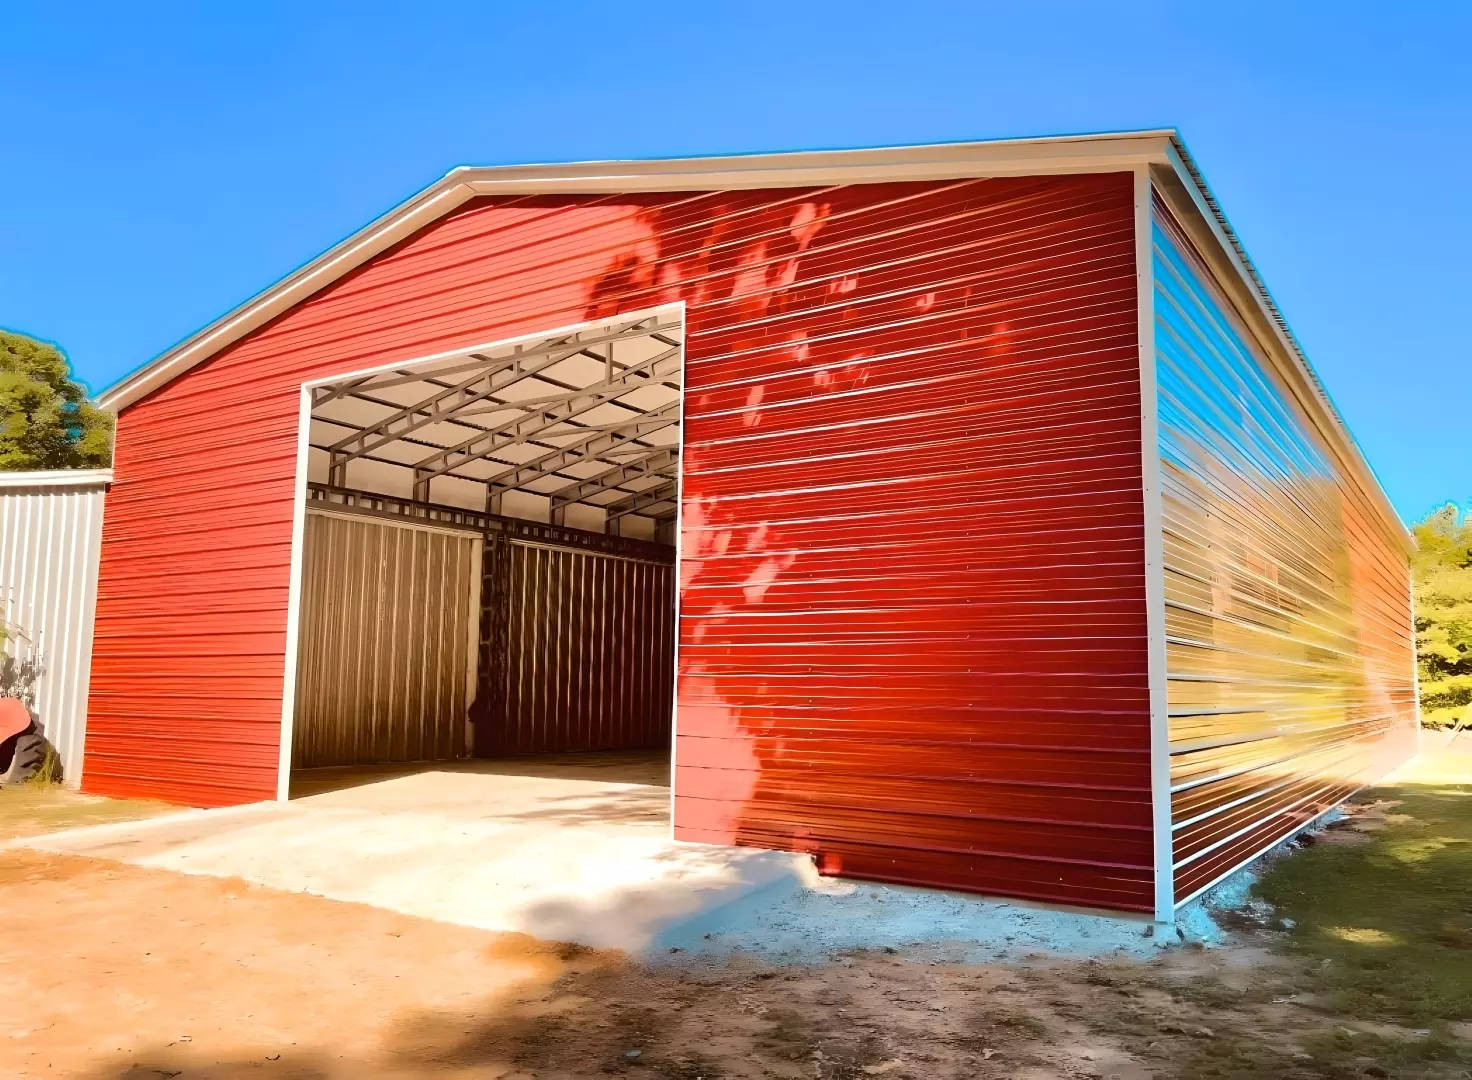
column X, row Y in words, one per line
column 294, row 595
column 1154, row 556
column 489, row 705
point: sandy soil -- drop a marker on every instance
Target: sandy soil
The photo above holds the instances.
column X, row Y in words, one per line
column 109, row 970
column 137, row 973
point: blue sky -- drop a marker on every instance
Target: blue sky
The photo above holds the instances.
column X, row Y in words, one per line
column 165, row 162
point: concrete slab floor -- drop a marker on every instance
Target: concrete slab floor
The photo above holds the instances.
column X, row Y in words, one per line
column 557, row 855
column 577, row 848
column 647, row 767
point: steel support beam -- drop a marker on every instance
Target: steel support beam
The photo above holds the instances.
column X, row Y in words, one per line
column 633, row 504
column 645, row 327
column 533, row 423
column 589, row 446
column 442, row 406
column 656, row 462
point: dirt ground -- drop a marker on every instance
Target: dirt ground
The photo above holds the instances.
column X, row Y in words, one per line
column 116, row 971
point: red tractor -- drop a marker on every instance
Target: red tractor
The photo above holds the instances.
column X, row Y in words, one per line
column 24, row 751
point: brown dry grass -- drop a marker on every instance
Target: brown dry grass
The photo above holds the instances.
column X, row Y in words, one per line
column 31, row 809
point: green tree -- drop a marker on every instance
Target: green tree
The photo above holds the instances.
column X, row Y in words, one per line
column 1442, row 571
column 46, row 421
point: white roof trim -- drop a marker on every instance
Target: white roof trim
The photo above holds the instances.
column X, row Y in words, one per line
column 1107, row 152
column 1330, row 421
column 1004, row 157
column 57, row 478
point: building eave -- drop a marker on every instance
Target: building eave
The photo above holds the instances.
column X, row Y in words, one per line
column 1321, row 406
column 1049, row 155
column 1003, row 157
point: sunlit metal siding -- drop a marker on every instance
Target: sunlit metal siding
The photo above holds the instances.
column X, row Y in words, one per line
column 389, row 626
column 50, row 528
column 1289, row 640
column 913, row 637
column 589, row 642
column 912, row 631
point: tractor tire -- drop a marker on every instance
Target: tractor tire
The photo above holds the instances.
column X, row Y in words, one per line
column 24, row 755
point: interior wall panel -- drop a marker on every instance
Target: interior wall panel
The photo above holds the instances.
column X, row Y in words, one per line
column 1289, row 641
column 589, row 665
column 913, row 629
column 388, row 640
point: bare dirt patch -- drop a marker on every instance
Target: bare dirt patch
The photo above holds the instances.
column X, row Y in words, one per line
column 1358, row 969
column 143, row 973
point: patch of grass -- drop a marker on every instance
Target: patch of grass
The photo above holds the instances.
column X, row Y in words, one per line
column 1247, row 1058
column 33, row 808
column 1385, row 926
column 793, row 1036
column 1361, row 1048
column 49, row 772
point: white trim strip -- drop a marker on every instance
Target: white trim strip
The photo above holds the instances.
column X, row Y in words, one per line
column 663, row 310
column 1160, row 794
column 294, row 596
column 679, row 551
column 1110, row 152
column 429, row 205
column 56, row 478
column 301, row 506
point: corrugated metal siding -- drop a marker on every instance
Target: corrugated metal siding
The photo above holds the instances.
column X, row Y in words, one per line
column 914, row 626
column 49, row 537
column 589, row 643
column 389, row 626
column 912, row 576
column 1289, row 639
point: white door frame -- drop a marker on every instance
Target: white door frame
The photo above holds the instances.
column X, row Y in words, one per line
column 299, row 511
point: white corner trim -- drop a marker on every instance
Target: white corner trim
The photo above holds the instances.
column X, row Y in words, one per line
column 1156, row 657
column 679, row 551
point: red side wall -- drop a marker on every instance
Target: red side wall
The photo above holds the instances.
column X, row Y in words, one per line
column 913, row 634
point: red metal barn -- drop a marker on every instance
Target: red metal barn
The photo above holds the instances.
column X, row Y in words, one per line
column 964, row 515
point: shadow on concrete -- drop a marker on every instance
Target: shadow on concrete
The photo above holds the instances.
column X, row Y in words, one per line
column 649, row 767
column 630, row 807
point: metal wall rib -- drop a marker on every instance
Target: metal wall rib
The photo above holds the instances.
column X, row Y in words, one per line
column 50, row 532
column 387, row 642
column 589, row 653
column 912, row 596
column 1289, row 642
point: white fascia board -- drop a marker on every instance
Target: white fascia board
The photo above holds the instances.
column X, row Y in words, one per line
column 56, row 478
column 1004, row 157
column 1010, row 157
column 429, row 205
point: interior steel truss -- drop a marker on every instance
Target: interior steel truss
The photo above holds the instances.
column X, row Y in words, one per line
column 589, row 417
